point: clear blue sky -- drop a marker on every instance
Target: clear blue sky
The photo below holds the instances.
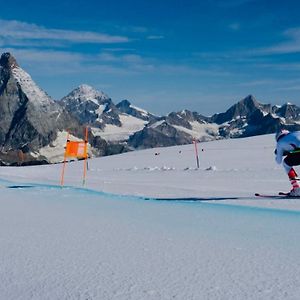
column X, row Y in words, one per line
column 162, row 55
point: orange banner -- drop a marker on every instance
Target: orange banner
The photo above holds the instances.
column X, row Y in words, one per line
column 76, row 149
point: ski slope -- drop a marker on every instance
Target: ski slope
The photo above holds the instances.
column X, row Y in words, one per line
column 236, row 168
column 113, row 240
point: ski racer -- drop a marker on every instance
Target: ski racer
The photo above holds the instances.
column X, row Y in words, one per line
column 288, row 145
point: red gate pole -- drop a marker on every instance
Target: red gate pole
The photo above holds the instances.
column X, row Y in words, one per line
column 196, row 153
column 64, row 165
column 85, row 156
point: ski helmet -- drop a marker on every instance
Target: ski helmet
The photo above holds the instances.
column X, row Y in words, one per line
column 281, row 133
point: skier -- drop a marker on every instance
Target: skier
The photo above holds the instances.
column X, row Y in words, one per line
column 288, row 145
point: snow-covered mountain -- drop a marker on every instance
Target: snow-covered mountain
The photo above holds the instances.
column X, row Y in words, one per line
column 88, row 105
column 175, row 129
column 248, row 117
column 29, row 118
column 288, row 111
column 113, row 123
column 35, row 124
column 127, row 108
column 133, row 127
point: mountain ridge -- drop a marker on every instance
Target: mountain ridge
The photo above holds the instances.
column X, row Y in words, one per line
column 30, row 120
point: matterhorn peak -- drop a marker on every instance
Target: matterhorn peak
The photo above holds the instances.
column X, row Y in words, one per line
column 8, row 61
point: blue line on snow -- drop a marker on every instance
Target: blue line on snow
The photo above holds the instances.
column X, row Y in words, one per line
column 203, row 201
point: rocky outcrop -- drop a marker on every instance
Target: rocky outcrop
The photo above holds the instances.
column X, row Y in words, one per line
column 127, row 108
column 90, row 107
column 29, row 118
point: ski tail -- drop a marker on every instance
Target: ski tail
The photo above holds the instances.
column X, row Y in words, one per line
column 269, row 196
column 280, row 195
column 266, row 196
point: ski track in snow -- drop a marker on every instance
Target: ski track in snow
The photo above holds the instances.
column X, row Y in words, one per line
column 105, row 242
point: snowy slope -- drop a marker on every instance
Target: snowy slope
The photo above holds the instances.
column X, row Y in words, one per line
column 228, row 168
column 129, row 125
column 30, row 88
column 77, row 243
column 55, row 151
column 72, row 245
column 202, row 132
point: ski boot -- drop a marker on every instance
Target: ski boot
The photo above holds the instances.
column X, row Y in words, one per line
column 295, row 192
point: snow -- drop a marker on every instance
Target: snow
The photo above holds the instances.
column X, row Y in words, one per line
column 200, row 131
column 237, row 131
column 156, row 124
column 130, row 125
column 107, row 241
column 242, row 167
column 86, row 93
column 55, row 151
column 142, row 111
column 100, row 110
column 29, row 87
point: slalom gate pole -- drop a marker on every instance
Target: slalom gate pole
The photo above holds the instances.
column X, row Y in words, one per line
column 85, row 156
column 21, row 157
column 64, row 165
column 196, row 153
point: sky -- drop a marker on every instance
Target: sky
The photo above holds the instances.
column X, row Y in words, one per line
column 161, row 55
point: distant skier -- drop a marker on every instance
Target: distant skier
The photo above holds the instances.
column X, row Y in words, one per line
column 288, row 145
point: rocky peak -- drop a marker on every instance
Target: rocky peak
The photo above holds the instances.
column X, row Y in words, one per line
column 124, row 104
column 85, row 92
column 126, row 107
column 8, row 61
column 289, row 111
column 243, row 109
column 29, row 118
column 249, row 101
column 87, row 104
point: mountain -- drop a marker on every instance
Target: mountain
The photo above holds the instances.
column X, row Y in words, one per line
column 127, row 108
column 288, row 111
column 241, row 110
column 113, row 123
column 29, row 119
column 33, row 127
column 175, row 129
column 90, row 106
column 126, row 126
column 248, row 117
